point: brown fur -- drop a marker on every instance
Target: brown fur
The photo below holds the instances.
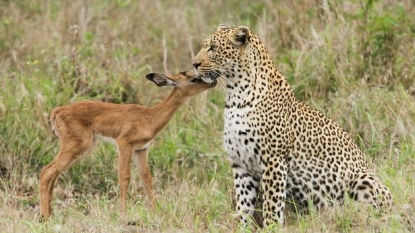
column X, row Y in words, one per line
column 131, row 127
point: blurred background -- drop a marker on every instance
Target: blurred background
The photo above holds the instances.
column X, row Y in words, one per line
column 351, row 59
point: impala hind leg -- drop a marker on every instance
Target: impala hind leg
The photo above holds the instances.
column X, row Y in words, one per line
column 68, row 155
column 141, row 161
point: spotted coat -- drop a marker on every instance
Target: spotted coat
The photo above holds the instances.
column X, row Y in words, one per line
column 274, row 142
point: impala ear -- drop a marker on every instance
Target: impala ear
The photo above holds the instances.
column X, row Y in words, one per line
column 240, row 36
column 160, row 79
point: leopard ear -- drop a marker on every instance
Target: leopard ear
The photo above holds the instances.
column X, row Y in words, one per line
column 221, row 27
column 240, row 36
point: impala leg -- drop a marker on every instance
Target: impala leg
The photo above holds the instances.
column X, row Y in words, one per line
column 47, row 180
column 141, row 161
column 125, row 152
column 68, row 155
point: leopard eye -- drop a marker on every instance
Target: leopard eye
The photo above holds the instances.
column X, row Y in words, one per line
column 211, row 48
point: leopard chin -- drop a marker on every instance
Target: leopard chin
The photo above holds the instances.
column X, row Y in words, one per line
column 211, row 77
column 208, row 79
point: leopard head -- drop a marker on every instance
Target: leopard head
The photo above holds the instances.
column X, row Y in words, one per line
column 223, row 52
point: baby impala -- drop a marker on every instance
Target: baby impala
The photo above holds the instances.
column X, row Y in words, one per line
column 130, row 126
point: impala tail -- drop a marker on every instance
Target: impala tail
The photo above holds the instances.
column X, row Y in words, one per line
column 52, row 120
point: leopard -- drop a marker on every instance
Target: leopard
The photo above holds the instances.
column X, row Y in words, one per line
column 278, row 145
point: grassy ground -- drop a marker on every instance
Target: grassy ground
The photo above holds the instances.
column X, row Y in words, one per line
column 353, row 60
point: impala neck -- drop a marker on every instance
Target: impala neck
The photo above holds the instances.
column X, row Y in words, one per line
column 165, row 110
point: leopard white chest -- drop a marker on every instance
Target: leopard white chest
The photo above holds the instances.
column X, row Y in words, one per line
column 241, row 141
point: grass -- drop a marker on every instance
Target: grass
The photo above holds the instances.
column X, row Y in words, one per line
column 352, row 60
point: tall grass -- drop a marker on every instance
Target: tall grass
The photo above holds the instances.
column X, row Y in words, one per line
column 353, row 60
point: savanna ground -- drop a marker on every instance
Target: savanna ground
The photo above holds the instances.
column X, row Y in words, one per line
column 353, row 60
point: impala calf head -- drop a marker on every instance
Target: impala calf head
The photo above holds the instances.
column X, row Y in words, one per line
column 187, row 82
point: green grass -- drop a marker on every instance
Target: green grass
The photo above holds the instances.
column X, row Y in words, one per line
column 352, row 60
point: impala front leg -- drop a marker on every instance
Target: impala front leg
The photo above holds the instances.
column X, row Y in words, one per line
column 141, row 161
column 125, row 151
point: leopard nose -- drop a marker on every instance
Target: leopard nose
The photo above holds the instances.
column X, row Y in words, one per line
column 196, row 65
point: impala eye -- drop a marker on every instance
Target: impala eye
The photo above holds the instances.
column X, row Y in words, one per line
column 193, row 80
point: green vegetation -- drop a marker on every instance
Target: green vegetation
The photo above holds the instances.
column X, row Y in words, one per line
column 353, row 60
